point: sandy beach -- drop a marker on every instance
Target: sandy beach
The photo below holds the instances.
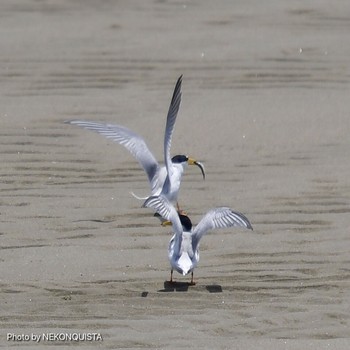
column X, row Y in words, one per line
column 265, row 107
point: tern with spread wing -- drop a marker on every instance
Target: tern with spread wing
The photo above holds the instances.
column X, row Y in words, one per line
column 163, row 180
column 183, row 250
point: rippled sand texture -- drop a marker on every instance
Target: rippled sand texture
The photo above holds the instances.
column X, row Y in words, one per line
column 265, row 106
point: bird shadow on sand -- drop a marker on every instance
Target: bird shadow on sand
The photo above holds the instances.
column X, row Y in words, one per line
column 185, row 286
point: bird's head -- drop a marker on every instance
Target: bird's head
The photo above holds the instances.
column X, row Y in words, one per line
column 185, row 222
column 184, row 160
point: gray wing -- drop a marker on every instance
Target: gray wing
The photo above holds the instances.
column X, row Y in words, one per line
column 170, row 122
column 218, row 218
column 164, row 208
column 133, row 142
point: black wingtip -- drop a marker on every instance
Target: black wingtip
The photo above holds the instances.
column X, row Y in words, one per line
column 249, row 225
column 145, row 203
column 178, row 83
column 177, row 91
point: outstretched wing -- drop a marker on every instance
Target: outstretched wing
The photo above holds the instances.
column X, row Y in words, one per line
column 164, row 208
column 170, row 123
column 218, row 218
column 133, row 142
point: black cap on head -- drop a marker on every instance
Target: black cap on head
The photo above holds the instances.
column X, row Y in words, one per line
column 180, row 158
column 185, row 222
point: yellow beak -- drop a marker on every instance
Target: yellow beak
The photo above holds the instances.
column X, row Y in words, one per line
column 191, row 161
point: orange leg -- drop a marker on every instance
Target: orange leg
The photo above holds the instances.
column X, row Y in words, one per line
column 192, row 283
column 180, row 211
column 178, row 207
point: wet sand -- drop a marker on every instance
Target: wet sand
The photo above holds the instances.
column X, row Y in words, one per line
column 265, row 107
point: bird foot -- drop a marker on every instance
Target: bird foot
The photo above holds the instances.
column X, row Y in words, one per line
column 180, row 211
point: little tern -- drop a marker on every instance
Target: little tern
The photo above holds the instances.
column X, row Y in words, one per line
column 183, row 249
column 164, row 180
